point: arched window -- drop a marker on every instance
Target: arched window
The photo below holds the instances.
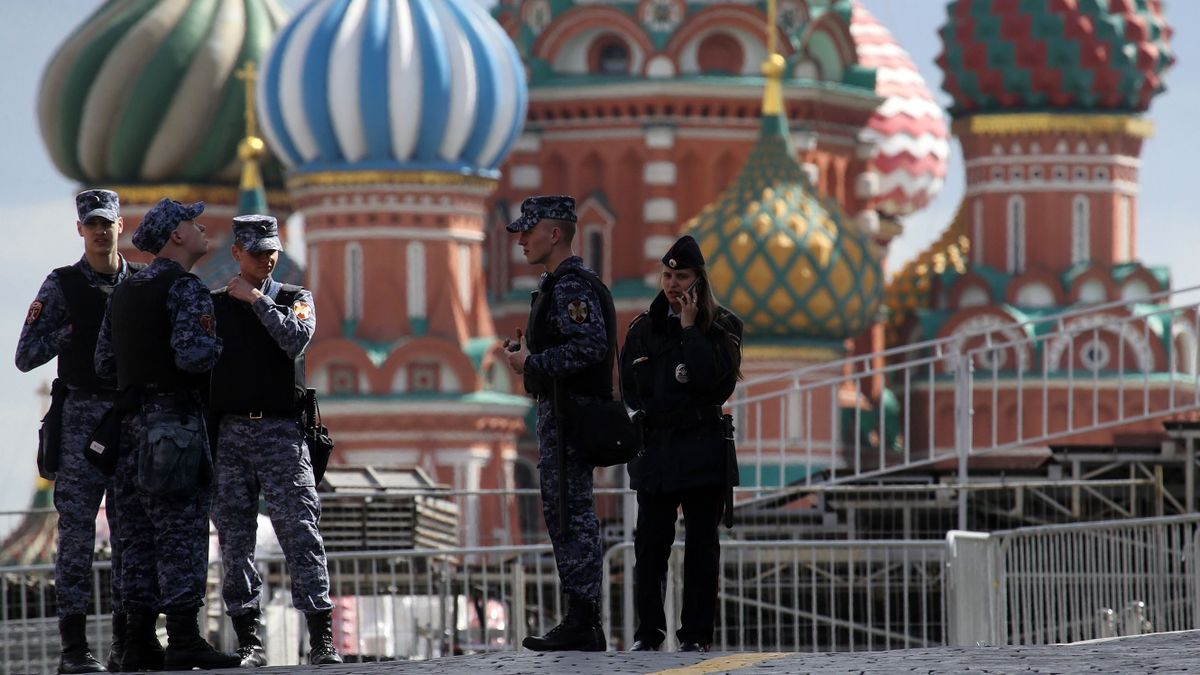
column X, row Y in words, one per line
column 1016, row 235
column 354, row 281
column 1124, row 233
column 720, row 54
column 595, row 249
column 464, row 276
column 609, row 56
column 415, row 280
column 977, row 238
column 1081, row 247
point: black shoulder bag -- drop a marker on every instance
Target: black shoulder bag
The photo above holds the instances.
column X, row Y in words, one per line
column 603, row 431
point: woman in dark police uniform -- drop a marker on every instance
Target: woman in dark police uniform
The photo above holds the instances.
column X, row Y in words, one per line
column 680, row 364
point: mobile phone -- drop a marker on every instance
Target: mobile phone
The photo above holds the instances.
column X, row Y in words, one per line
column 689, row 289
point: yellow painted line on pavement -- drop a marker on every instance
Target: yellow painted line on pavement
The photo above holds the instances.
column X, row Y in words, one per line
column 721, row 664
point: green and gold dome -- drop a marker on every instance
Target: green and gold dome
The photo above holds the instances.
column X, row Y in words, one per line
column 784, row 259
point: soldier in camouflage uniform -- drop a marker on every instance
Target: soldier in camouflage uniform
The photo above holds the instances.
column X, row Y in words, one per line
column 159, row 339
column 63, row 322
column 566, row 348
column 265, row 327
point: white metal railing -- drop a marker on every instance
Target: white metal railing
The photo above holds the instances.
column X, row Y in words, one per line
column 998, row 385
column 1066, row 583
column 1027, row 586
column 801, row 595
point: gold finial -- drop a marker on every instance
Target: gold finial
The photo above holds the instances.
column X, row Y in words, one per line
column 773, row 66
column 248, row 74
column 251, row 148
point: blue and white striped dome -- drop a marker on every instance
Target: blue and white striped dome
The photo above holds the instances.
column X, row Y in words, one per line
column 409, row 85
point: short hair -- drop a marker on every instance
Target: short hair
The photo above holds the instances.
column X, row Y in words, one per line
column 566, row 226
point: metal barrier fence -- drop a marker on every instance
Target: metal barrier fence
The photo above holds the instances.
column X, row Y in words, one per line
column 802, row 595
column 1026, row 586
column 1067, row 583
column 997, row 384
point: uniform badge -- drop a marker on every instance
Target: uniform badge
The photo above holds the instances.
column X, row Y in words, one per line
column 578, row 310
column 209, row 324
column 35, row 310
column 681, row 374
column 302, row 310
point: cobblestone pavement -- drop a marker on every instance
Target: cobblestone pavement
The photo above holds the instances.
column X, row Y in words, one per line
column 1158, row 653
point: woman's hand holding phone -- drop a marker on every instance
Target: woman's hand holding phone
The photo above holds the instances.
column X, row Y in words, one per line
column 688, row 305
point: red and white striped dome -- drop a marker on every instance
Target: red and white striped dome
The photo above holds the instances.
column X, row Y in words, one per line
column 909, row 128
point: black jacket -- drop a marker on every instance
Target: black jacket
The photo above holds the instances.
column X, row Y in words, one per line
column 680, row 378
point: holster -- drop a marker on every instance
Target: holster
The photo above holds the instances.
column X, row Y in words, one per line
column 316, row 436
column 175, row 460
column 50, row 435
column 731, row 468
column 103, row 447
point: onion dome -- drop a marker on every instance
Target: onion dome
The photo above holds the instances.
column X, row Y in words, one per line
column 1093, row 55
column 145, row 92
column 785, row 260
column 909, row 129
column 415, row 85
column 34, row 541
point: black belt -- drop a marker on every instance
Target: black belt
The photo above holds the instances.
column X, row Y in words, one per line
column 260, row 414
column 682, row 416
column 93, row 394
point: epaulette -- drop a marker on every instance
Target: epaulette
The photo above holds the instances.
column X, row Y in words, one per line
column 638, row 318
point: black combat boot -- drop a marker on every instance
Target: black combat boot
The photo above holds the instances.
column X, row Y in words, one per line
column 187, row 650
column 142, row 651
column 75, row 656
column 250, row 647
column 117, row 648
column 579, row 631
column 320, row 638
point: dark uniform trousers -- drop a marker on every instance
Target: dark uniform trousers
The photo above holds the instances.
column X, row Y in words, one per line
column 164, row 541
column 268, row 455
column 577, row 551
column 657, row 513
column 78, row 490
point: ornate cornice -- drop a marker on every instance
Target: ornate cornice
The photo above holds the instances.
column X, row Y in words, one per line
column 279, row 200
column 1032, row 123
column 327, row 179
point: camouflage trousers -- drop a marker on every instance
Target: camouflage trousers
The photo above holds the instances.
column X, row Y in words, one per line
column 577, row 551
column 77, row 494
column 164, row 541
column 269, row 456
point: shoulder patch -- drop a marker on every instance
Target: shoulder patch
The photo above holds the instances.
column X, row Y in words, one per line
column 302, row 310
column 208, row 323
column 35, row 310
column 577, row 309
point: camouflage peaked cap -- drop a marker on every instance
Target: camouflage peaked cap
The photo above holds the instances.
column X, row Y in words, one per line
column 160, row 221
column 103, row 203
column 256, row 233
column 534, row 209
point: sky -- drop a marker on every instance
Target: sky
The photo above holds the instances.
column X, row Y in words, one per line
column 37, row 213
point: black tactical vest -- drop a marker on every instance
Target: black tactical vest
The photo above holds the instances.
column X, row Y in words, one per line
column 141, row 335
column 254, row 374
column 85, row 308
column 595, row 380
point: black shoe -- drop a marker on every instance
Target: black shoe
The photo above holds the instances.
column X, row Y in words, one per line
column 693, row 647
column 320, row 638
column 250, row 647
column 76, row 657
column 117, row 649
column 187, row 650
column 142, row 651
column 645, row 646
column 579, row 631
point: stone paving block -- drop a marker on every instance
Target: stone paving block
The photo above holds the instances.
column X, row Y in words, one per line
column 1157, row 653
